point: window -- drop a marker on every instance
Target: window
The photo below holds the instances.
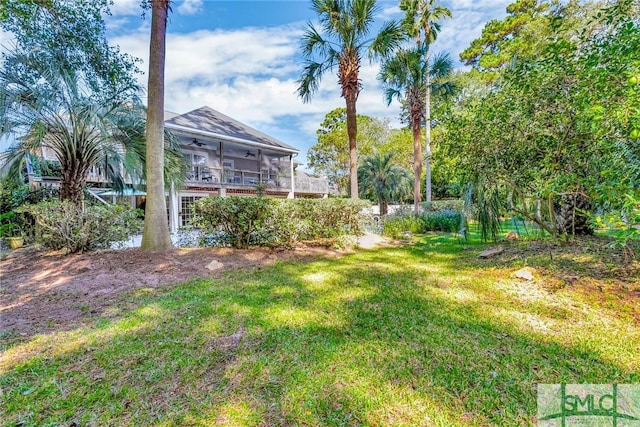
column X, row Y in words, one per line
column 186, row 209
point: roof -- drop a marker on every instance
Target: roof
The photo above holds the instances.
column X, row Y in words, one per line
column 210, row 122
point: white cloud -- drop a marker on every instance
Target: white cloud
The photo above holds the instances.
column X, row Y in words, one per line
column 250, row 73
column 390, row 12
column 126, row 7
column 190, row 7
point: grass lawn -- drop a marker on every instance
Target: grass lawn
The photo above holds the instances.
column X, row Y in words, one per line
column 425, row 334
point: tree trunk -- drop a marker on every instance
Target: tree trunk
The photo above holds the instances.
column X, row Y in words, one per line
column 416, row 118
column 384, row 206
column 72, row 184
column 155, row 237
column 352, row 130
column 572, row 215
column 427, row 120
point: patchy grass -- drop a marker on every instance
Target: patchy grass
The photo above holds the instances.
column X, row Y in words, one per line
column 424, row 334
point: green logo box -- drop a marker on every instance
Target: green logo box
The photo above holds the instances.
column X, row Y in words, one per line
column 589, row 405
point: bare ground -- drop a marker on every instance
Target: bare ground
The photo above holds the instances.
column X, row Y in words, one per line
column 41, row 291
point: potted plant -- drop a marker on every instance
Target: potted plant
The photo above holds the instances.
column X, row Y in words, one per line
column 10, row 230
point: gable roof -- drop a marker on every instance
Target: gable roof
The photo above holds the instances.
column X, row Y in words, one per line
column 207, row 121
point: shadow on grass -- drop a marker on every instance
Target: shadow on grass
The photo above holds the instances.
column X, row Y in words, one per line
column 371, row 338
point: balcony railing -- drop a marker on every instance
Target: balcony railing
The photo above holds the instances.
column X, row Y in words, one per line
column 310, row 184
column 237, row 177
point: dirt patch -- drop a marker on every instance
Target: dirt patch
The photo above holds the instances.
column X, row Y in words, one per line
column 40, row 291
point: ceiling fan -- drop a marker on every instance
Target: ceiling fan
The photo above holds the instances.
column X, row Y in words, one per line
column 196, row 142
column 249, row 153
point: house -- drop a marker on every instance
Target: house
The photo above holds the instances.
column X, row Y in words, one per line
column 225, row 157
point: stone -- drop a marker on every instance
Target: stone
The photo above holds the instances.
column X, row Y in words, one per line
column 512, row 235
column 490, row 253
column 214, row 265
column 524, row 274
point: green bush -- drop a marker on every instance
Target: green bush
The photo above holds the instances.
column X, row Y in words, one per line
column 444, row 220
column 398, row 224
column 241, row 218
column 278, row 222
column 62, row 225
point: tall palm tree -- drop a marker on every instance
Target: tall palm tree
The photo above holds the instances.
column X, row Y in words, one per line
column 382, row 180
column 421, row 22
column 405, row 77
column 155, row 235
column 50, row 106
column 342, row 41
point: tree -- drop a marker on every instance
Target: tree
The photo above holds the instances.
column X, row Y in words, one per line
column 555, row 137
column 342, row 42
column 330, row 155
column 72, row 34
column 519, row 34
column 56, row 109
column 383, row 181
column 404, row 77
column 155, row 236
column 421, row 22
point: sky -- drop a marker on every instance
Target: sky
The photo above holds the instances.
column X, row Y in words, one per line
column 241, row 57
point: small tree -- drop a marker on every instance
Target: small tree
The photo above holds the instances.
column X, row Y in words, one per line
column 382, row 181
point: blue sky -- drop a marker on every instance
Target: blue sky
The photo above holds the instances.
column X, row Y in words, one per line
column 241, row 57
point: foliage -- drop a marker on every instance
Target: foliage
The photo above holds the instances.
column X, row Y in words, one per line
column 264, row 221
column 445, row 219
column 13, row 196
column 554, row 139
column 341, row 42
column 405, row 76
column 71, row 33
column 519, row 34
column 442, row 205
column 10, row 224
column 57, row 110
column 330, row 155
column 399, row 224
column 239, row 217
column 63, row 225
column 381, row 180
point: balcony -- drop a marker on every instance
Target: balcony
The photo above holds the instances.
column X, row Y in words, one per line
column 230, row 178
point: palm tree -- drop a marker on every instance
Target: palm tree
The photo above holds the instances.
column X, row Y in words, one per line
column 405, row 77
column 53, row 107
column 342, row 42
column 155, row 236
column 421, row 21
column 383, row 181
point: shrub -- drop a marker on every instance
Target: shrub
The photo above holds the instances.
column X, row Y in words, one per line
column 398, row 224
column 239, row 217
column 278, row 222
column 446, row 220
column 62, row 225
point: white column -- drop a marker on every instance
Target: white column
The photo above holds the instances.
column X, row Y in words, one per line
column 173, row 209
column 292, row 193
